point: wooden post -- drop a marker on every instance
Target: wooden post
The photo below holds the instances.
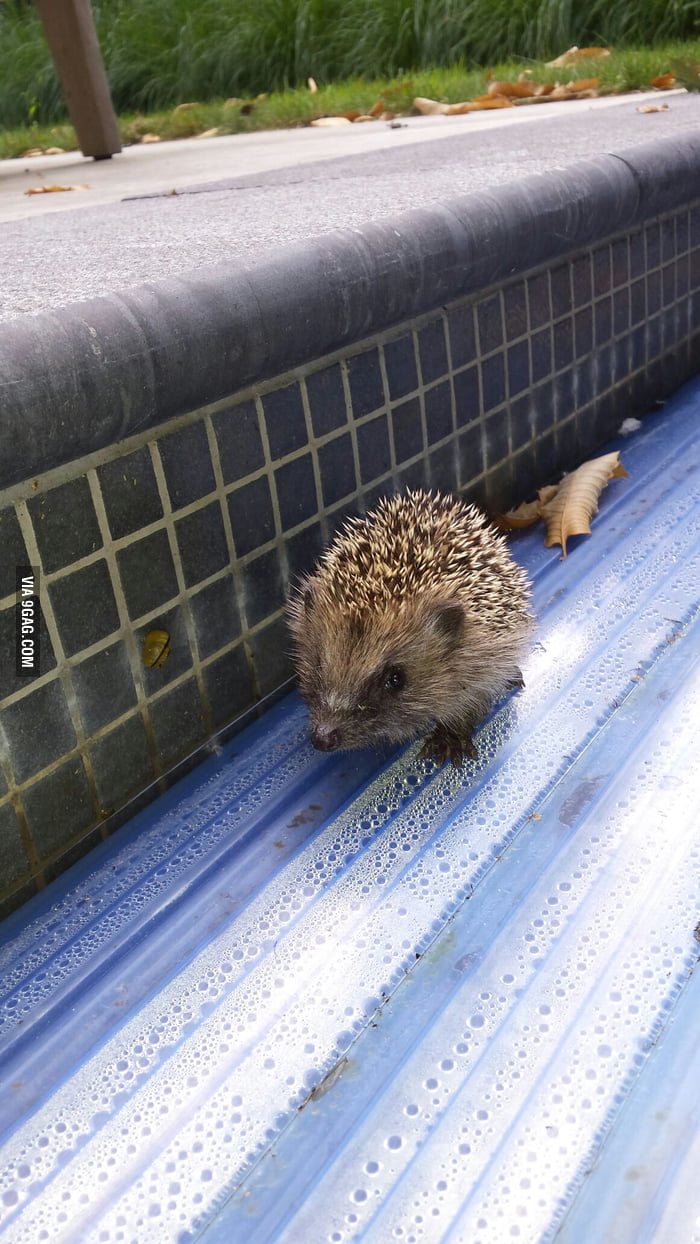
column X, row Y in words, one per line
column 72, row 39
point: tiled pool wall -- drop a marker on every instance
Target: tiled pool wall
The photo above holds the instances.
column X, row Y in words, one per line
column 198, row 527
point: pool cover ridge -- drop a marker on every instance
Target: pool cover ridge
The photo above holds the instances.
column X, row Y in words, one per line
column 348, row 997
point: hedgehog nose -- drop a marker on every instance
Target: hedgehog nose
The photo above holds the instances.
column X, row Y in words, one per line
column 326, row 738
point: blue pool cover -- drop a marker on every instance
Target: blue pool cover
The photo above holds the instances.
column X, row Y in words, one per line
column 310, row 998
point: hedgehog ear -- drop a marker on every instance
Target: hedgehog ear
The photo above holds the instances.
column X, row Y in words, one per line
column 448, row 620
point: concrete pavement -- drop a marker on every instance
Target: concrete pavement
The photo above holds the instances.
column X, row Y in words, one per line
column 242, row 195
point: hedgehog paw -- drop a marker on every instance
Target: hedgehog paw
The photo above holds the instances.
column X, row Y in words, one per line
column 515, row 684
column 444, row 744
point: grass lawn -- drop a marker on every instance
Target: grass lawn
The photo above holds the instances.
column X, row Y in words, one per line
column 632, row 69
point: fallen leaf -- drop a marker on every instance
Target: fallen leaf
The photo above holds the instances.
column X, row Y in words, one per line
column 208, row 133
column 32, row 151
column 653, row 108
column 351, row 116
column 664, row 81
column 311, row 83
column 518, row 89
column 429, row 107
column 184, row 107
column 233, row 102
column 482, row 103
column 523, row 516
column 576, row 54
column 322, row 121
column 54, row 151
column 150, row 138
column 583, row 84
column 363, row 116
column 54, row 189
column 377, row 109
column 570, row 511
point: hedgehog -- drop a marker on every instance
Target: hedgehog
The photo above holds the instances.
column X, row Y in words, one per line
column 414, row 621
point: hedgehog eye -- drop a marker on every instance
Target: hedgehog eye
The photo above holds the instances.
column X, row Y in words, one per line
column 395, row 678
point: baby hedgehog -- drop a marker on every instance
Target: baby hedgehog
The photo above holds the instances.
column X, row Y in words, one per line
column 415, row 619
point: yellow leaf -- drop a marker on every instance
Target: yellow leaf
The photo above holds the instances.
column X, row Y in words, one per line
column 576, row 54
column 570, row 511
column 54, row 189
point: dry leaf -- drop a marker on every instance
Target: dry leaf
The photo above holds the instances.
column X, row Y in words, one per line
column 351, row 116
column 664, row 81
column 32, row 151
column 653, row 108
column 570, row 511
column 184, row 107
column 311, row 83
column 576, row 54
column 428, row 107
column 54, row 151
column 233, row 102
column 518, row 89
column 55, row 189
column 208, row 133
column 524, row 516
column 322, row 121
column 150, row 138
column 363, row 116
column 377, row 109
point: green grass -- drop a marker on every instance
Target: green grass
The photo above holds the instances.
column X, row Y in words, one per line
column 160, row 52
column 627, row 70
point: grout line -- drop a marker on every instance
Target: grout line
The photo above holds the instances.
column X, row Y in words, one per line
column 128, row 628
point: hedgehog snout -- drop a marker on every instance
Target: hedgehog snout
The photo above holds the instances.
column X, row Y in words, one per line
column 326, row 738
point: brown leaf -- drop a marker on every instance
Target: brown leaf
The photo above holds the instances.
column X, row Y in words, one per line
column 55, row 189
column 570, row 511
column 518, row 89
column 351, row 116
column 54, row 151
column 377, row 109
column 523, row 516
column 576, row 54
column 653, row 108
column 583, row 84
column 32, row 151
column 664, row 82
column 362, row 116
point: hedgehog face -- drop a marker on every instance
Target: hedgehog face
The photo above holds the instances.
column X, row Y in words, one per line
column 385, row 676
